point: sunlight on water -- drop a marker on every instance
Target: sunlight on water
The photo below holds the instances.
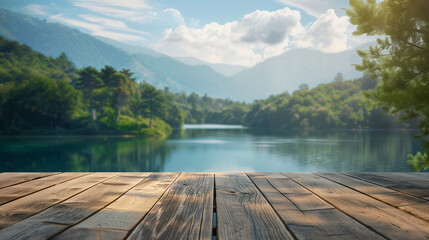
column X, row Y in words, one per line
column 211, row 126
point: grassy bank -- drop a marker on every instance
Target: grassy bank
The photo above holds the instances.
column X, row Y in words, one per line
column 104, row 126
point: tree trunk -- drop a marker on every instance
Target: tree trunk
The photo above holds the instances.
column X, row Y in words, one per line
column 94, row 113
column 150, row 121
column 118, row 110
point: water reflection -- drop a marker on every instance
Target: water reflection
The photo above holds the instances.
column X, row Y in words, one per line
column 83, row 154
column 216, row 149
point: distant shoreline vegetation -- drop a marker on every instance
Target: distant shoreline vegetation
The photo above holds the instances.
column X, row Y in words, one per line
column 42, row 95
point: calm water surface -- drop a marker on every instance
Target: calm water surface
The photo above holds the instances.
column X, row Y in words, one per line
column 214, row 148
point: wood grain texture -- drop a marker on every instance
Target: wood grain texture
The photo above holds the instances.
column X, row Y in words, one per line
column 404, row 183
column 9, row 179
column 121, row 216
column 58, row 218
column 417, row 175
column 243, row 212
column 14, row 192
column 382, row 218
column 184, row 212
column 180, row 206
column 411, row 204
column 305, row 214
column 25, row 207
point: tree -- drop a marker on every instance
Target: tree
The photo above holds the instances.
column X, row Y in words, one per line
column 400, row 62
column 196, row 114
column 303, row 86
column 174, row 116
column 90, row 84
column 153, row 101
column 120, row 86
column 40, row 102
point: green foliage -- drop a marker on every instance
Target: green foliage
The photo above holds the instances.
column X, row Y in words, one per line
column 335, row 105
column 200, row 109
column 231, row 115
column 196, row 115
column 153, row 101
column 40, row 93
column 40, row 102
column 419, row 161
column 175, row 116
column 400, row 62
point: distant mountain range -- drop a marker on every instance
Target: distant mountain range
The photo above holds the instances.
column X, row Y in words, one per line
column 84, row 50
column 275, row 75
column 225, row 69
column 295, row 67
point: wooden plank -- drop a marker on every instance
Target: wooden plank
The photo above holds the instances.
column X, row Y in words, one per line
column 243, row 212
column 117, row 219
column 382, row 218
column 58, row 218
column 14, row 192
column 25, row 207
column 411, row 204
column 185, row 211
column 410, row 185
column 11, row 178
column 305, row 214
column 420, row 210
column 417, row 175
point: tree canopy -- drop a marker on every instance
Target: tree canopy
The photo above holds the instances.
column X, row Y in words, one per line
column 400, row 60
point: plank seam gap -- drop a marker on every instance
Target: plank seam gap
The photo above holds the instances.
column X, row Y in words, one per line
column 278, row 215
column 397, row 190
column 30, row 180
column 44, row 187
column 64, row 199
column 363, row 224
column 397, row 207
column 214, row 217
column 72, row 225
column 144, row 216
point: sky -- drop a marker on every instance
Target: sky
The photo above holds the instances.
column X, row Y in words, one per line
column 238, row 32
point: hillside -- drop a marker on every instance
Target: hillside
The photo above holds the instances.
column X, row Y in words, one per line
column 272, row 76
column 84, row 50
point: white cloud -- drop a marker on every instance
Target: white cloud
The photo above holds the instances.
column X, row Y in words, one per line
column 36, row 9
column 168, row 17
column 258, row 35
column 98, row 29
column 104, row 21
column 329, row 33
column 316, row 8
column 127, row 4
column 270, row 27
column 111, row 24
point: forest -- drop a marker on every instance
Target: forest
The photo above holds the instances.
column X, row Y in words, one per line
column 336, row 105
column 45, row 95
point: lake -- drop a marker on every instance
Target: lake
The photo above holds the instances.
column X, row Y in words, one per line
column 214, row 148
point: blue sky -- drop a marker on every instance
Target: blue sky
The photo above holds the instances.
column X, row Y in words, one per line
column 240, row 32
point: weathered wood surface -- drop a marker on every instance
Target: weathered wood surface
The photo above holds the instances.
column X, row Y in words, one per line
column 207, row 205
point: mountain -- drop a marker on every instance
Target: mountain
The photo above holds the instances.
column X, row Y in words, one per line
column 84, row 50
column 295, row 67
column 225, row 69
column 130, row 48
column 272, row 76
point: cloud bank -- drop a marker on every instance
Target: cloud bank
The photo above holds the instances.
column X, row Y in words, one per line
column 257, row 36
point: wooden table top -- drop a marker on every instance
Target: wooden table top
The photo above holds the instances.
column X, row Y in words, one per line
column 145, row 205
